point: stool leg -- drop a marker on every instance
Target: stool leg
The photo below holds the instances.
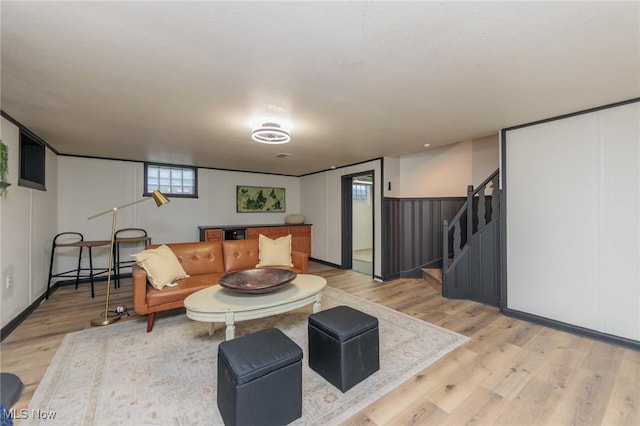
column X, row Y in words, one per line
column 53, row 249
column 79, row 267
column 91, row 271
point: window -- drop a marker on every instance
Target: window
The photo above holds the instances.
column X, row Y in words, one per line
column 32, row 161
column 175, row 181
column 360, row 192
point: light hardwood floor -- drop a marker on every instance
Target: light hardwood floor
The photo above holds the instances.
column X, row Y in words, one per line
column 511, row 372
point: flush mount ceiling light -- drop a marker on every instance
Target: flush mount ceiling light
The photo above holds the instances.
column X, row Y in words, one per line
column 270, row 133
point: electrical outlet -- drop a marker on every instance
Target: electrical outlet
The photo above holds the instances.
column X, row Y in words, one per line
column 9, row 281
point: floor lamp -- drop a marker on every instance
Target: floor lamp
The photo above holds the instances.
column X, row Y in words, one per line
column 160, row 200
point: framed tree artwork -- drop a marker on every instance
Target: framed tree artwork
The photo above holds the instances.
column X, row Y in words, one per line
column 260, row 199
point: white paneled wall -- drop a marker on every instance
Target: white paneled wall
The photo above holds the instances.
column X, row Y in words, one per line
column 573, row 215
column 619, row 221
column 315, row 207
column 27, row 224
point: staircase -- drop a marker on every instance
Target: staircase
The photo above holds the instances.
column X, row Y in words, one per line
column 471, row 243
column 433, row 277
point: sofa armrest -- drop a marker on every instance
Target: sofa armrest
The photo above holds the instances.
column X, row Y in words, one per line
column 300, row 261
column 139, row 278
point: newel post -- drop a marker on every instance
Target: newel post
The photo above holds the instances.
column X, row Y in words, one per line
column 469, row 212
column 445, row 247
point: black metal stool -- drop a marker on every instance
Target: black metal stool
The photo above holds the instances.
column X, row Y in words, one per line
column 126, row 236
column 65, row 239
column 75, row 240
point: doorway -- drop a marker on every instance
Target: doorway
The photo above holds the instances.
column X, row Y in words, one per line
column 358, row 222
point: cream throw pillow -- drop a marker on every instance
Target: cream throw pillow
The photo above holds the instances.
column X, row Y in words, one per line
column 274, row 252
column 161, row 264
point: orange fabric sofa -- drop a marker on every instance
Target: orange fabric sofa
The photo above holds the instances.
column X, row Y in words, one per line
column 205, row 262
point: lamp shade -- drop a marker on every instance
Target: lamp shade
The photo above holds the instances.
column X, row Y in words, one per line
column 159, row 198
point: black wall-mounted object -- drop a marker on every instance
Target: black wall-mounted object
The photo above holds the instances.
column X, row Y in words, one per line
column 32, row 162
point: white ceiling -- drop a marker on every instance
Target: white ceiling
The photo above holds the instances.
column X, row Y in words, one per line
column 179, row 82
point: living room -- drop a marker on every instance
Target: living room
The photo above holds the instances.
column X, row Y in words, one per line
column 79, row 184
column 102, row 184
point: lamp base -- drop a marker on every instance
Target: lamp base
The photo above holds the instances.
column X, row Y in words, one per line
column 105, row 320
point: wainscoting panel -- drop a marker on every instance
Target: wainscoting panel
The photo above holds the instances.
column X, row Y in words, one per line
column 412, row 233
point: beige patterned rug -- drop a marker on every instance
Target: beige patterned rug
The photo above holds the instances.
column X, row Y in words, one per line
column 121, row 375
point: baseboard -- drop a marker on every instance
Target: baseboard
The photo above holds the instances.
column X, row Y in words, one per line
column 413, row 273
column 14, row 323
column 574, row 329
column 324, row 262
column 391, row 277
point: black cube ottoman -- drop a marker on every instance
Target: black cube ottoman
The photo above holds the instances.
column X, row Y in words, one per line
column 260, row 379
column 343, row 346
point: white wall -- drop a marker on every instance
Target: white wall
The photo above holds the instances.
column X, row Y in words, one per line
column 89, row 186
column 27, row 225
column 321, row 204
column 573, row 220
column 392, row 177
column 442, row 172
column 220, row 191
column 485, row 158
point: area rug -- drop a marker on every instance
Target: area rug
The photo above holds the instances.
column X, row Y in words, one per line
column 121, row 375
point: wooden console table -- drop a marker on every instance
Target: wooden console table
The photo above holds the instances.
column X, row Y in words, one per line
column 300, row 234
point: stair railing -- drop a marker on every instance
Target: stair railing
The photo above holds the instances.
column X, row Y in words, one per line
column 471, row 218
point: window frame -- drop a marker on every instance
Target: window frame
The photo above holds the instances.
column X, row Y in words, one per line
column 171, row 166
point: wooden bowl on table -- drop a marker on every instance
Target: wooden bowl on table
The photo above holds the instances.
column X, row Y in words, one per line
column 257, row 281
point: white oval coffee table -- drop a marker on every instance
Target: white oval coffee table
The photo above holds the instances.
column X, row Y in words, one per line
column 218, row 304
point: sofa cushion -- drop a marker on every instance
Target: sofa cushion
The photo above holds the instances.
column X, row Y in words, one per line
column 274, row 252
column 240, row 254
column 161, row 264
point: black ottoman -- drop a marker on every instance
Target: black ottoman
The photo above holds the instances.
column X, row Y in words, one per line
column 11, row 388
column 260, row 379
column 343, row 346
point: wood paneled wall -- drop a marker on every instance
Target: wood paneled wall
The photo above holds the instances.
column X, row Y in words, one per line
column 412, row 233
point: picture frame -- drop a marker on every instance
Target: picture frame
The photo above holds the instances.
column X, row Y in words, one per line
column 260, row 199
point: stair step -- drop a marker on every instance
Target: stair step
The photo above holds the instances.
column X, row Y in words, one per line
column 433, row 277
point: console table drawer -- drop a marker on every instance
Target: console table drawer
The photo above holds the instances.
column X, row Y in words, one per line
column 279, row 231
column 213, row 234
column 254, row 232
column 303, row 229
